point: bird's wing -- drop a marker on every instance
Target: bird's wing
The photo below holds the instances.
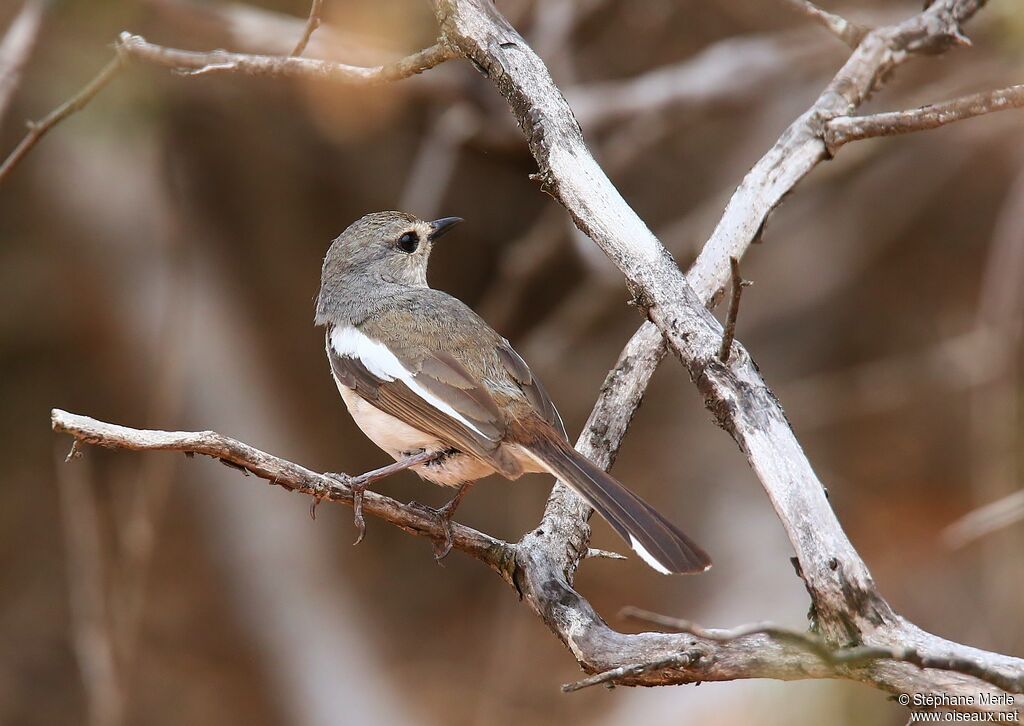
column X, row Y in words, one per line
column 431, row 391
column 531, row 386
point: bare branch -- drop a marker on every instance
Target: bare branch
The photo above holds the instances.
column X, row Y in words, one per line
column 860, row 655
column 135, row 47
column 844, row 129
column 801, row 148
column 15, row 48
column 738, row 283
column 837, row 579
column 312, row 23
column 293, row 477
column 850, row 33
column 652, row 658
column 38, row 129
column 754, row 657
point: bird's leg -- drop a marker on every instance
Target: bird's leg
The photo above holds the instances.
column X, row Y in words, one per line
column 444, row 516
column 358, row 484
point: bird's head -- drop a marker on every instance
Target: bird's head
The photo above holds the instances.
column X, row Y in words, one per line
column 391, row 247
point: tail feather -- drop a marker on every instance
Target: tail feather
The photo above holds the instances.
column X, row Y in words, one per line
column 658, row 542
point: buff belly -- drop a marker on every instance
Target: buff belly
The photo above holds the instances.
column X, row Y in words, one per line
column 399, row 440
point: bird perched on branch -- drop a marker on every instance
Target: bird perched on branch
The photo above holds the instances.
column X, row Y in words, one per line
column 430, row 383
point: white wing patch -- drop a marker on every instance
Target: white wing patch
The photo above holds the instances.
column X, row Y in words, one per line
column 350, row 342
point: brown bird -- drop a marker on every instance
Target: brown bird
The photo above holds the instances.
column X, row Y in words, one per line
column 425, row 377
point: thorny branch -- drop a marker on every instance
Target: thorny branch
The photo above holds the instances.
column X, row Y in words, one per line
column 849, row 611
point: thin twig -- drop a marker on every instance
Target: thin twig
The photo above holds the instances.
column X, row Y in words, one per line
column 617, row 674
column 604, row 554
column 848, row 32
column 195, row 63
column 36, row 130
column 738, row 283
column 312, row 23
column 844, row 129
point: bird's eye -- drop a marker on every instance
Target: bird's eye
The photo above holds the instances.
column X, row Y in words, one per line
column 408, row 242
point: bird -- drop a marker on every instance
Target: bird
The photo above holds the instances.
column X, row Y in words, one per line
column 427, row 380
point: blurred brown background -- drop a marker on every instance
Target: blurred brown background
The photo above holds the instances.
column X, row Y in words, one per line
column 159, row 255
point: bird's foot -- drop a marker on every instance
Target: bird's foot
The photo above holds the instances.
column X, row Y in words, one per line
column 358, row 489
column 443, row 516
column 358, row 486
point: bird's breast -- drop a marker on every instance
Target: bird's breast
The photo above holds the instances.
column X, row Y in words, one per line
column 399, row 440
column 389, row 433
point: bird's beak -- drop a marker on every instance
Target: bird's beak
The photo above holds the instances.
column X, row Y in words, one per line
column 441, row 226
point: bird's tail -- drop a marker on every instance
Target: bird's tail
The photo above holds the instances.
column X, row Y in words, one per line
column 658, row 542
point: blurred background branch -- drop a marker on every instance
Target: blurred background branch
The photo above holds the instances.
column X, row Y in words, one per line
column 15, row 47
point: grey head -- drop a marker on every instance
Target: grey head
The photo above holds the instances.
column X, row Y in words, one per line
column 376, row 252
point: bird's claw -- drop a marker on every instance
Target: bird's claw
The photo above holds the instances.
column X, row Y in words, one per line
column 443, row 516
column 358, row 487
